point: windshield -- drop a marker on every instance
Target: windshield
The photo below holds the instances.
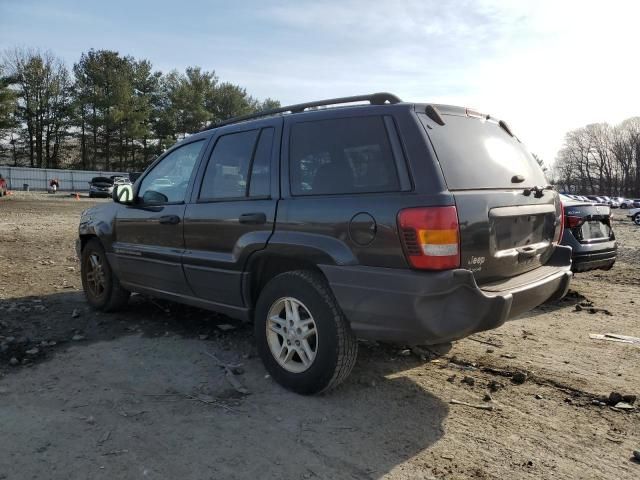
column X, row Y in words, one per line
column 476, row 153
column 101, row 180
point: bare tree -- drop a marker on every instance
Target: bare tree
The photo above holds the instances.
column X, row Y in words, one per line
column 44, row 90
column 601, row 159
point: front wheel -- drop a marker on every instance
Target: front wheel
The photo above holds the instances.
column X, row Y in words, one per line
column 636, row 219
column 101, row 286
column 302, row 336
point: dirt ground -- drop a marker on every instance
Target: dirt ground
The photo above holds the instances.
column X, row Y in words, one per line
column 134, row 395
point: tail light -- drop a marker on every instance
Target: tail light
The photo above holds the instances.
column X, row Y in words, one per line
column 431, row 237
column 573, row 222
column 558, row 238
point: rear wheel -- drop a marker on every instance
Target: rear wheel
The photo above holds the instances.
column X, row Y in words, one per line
column 636, row 219
column 101, row 286
column 302, row 335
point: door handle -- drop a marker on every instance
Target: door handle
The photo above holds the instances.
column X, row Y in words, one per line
column 169, row 220
column 253, row 218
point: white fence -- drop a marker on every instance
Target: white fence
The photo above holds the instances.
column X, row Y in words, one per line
column 39, row 178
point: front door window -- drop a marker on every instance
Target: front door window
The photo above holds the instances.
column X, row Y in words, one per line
column 168, row 181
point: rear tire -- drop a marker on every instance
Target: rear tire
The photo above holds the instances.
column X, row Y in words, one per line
column 101, row 286
column 294, row 308
column 636, row 219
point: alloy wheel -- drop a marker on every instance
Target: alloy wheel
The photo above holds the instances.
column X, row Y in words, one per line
column 292, row 334
column 95, row 275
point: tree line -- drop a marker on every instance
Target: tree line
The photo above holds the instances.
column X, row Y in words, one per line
column 108, row 112
column 601, row 159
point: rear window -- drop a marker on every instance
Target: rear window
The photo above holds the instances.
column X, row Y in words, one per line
column 475, row 153
column 342, row 156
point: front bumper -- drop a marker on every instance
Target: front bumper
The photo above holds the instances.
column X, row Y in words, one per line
column 100, row 193
column 435, row 307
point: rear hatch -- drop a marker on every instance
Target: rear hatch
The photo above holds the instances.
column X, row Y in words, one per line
column 509, row 222
column 588, row 223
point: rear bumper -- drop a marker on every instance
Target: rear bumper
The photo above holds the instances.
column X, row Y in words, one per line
column 594, row 261
column 436, row 307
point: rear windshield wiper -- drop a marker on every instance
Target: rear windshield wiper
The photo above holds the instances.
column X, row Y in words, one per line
column 536, row 190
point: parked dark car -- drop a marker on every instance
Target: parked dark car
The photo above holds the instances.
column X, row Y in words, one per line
column 100, row 187
column 393, row 221
column 588, row 231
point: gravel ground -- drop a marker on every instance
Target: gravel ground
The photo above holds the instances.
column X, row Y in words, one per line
column 135, row 395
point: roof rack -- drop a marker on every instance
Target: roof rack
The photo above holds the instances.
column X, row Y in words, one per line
column 379, row 98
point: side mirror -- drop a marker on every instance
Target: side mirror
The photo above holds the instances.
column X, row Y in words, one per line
column 151, row 197
column 123, row 194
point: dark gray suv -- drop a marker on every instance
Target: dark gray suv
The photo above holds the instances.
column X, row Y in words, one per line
column 393, row 221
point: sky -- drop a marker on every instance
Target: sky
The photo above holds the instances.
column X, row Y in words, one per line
column 544, row 66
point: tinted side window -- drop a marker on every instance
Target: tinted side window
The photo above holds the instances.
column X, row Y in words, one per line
column 227, row 172
column 168, row 181
column 345, row 155
column 261, row 169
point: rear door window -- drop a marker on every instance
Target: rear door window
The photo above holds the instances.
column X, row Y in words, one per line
column 227, row 172
column 476, row 153
column 341, row 156
column 239, row 166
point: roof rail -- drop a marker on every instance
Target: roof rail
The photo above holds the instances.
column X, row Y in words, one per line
column 379, row 98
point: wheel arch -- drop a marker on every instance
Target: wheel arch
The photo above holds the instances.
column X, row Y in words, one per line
column 263, row 267
column 95, row 229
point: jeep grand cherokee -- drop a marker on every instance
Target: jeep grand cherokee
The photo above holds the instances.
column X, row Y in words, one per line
column 403, row 222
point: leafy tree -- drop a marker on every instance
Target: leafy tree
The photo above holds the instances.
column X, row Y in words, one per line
column 229, row 101
column 269, row 103
column 114, row 97
column 115, row 113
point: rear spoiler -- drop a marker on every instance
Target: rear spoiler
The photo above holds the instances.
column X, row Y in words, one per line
column 434, row 113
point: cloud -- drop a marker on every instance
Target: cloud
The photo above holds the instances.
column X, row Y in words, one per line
column 545, row 66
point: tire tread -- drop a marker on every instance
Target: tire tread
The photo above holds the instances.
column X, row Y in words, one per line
column 347, row 343
column 118, row 296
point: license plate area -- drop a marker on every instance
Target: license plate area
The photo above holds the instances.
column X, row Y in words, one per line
column 594, row 230
column 518, row 226
column 522, row 230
